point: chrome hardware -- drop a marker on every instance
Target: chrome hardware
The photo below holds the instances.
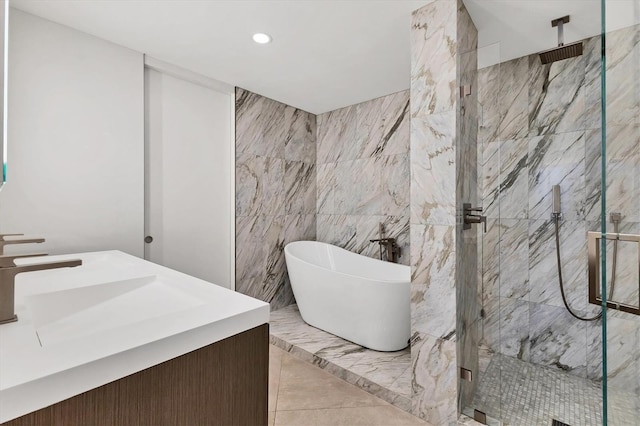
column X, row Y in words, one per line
column 615, row 218
column 466, row 374
column 593, row 246
column 480, row 417
column 555, row 211
column 4, row 242
column 7, row 283
column 148, row 239
column 471, row 218
column 392, row 248
column 8, row 261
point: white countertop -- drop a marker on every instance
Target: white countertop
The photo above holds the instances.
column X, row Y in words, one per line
column 150, row 314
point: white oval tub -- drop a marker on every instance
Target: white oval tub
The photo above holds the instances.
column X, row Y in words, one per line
column 364, row 300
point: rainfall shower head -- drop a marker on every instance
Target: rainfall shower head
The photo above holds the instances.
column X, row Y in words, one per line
column 562, row 51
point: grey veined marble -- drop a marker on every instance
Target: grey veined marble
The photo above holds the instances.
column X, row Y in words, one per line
column 363, row 176
column 275, row 192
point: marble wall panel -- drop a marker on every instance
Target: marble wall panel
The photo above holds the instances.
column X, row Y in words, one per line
column 433, row 70
column 383, row 125
column 623, row 354
column 623, row 77
column 300, row 141
column 513, row 94
column 543, row 272
column 592, row 49
column 489, row 115
column 338, row 125
column 622, row 174
column 433, row 260
column 299, row 187
column 339, row 230
column 434, row 380
column 275, row 192
column 490, row 260
column 433, row 169
column 557, row 160
column 490, row 180
column 514, row 259
column 364, row 178
column 514, row 179
column 556, row 96
column 259, row 185
column 514, row 333
column 557, row 339
column 394, row 184
column 325, row 188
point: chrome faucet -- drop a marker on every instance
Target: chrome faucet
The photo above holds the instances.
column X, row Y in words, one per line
column 8, row 272
column 4, row 242
column 392, row 248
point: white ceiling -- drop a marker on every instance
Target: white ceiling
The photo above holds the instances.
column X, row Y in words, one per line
column 325, row 54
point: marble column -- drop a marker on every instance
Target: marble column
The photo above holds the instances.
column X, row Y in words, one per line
column 443, row 164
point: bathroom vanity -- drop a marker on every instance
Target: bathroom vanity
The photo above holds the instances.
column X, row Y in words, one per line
column 120, row 340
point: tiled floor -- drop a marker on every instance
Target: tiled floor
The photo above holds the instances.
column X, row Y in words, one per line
column 522, row 394
column 386, row 375
column 302, row 394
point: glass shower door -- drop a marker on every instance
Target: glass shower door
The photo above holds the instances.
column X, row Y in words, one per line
column 619, row 214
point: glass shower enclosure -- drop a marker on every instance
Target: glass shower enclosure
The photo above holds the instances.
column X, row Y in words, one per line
column 558, row 306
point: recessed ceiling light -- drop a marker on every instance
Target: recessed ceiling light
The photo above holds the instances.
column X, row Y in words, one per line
column 262, row 38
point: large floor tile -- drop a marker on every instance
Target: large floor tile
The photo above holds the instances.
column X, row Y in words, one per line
column 385, row 415
column 304, row 386
column 275, row 363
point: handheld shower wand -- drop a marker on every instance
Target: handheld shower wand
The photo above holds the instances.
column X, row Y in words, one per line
column 556, row 201
column 556, row 214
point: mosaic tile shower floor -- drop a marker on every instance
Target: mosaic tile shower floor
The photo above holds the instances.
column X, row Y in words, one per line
column 386, row 375
column 522, row 394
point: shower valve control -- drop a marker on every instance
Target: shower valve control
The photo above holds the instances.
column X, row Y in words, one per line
column 471, row 215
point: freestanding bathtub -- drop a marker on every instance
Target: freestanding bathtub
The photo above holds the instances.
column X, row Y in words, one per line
column 364, row 300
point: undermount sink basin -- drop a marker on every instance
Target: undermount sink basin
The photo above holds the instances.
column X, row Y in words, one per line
column 68, row 314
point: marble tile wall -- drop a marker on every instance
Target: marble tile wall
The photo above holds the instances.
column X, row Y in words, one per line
column 363, row 174
column 275, row 192
column 442, row 164
column 541, row 125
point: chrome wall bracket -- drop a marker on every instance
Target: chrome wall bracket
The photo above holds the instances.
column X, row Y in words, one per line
column 466, row 374
column 593, row 246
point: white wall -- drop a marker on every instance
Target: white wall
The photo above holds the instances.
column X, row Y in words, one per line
column 75, row 140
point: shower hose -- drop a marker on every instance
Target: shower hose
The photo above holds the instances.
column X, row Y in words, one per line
column 556, row 218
